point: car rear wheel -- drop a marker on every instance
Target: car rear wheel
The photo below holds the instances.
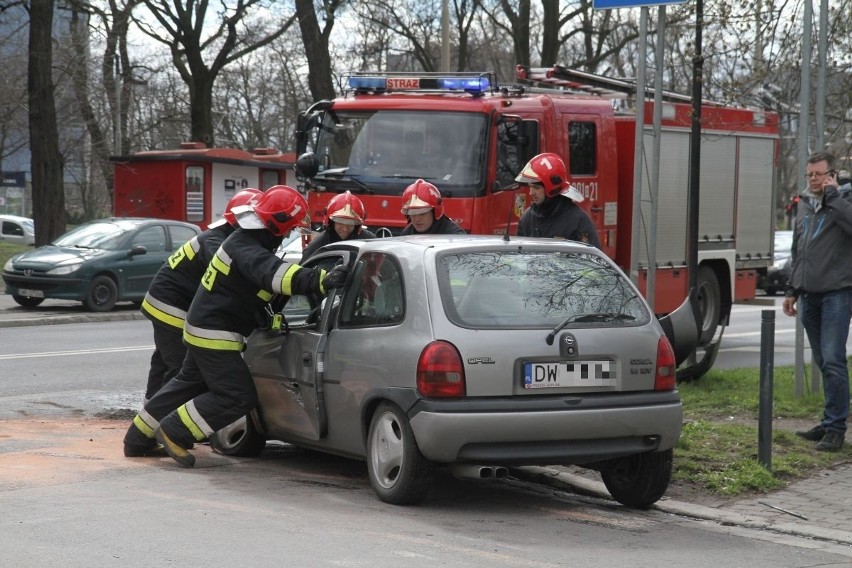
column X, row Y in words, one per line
column 239, row 438
column 399, row 474
column 102, row 294
column 639, row 481
column 26, row 301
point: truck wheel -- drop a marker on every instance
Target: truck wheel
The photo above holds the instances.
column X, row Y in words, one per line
column 27, row 301
column 709, row 302
column 102, row 294
column 398, row 472
column 239, row 438
column 639, row 481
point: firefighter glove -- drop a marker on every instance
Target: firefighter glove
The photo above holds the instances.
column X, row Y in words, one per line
column 336, row 278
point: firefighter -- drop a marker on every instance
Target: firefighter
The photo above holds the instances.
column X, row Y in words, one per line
column 344, row 218
column 554, row 212
column 172, row 289
column 422, row 205
column 214, row 386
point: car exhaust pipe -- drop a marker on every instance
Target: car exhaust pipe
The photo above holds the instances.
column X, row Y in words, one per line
column 472, row 471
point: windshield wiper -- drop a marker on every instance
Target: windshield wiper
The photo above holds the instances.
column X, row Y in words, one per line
column 340, row 173
column 590, row 317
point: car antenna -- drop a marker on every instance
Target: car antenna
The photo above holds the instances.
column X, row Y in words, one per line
column 509, row 216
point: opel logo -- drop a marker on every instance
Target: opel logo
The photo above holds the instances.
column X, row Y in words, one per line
column 568, row 345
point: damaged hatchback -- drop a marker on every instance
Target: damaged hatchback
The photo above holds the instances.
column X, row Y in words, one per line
column 472, row 353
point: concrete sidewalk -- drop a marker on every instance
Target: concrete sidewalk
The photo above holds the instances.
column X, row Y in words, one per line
column 818, row 508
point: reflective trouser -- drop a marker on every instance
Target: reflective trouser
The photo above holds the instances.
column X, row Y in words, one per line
column 212, row 390
column 167, row 359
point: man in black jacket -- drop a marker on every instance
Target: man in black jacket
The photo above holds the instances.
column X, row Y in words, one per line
column 554, row 212
column 423, row 206
column 344, row 219
column 821, row 283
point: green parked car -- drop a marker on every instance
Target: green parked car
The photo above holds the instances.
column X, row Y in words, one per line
column 98, row 263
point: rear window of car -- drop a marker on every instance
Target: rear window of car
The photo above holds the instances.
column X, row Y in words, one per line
column 537, row 289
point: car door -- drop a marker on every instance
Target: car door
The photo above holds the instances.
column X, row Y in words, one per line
column 139, row 269
column 287, row 366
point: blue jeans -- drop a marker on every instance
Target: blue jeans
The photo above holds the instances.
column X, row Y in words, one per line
column 825, row 318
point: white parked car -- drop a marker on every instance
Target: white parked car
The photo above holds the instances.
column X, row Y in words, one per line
column 17, row 230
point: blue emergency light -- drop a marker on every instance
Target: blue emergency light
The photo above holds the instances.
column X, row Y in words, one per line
column 475, row 84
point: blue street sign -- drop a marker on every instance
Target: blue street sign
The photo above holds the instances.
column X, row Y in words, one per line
column 607, row 4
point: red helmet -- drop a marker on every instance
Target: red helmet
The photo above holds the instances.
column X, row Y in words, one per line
column 240, row 198
column 421, row 196
column 279, row 210
column 549, row 171
column 345, row 209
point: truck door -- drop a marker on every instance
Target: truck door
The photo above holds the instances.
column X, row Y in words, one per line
column 582, row 137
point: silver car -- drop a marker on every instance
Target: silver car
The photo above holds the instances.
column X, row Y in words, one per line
column 474, row 353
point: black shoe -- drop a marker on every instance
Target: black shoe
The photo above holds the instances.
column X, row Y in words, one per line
column 176, row 451
column 155, row 451
column 831, row 442
column 138, row 445
column 815, row 434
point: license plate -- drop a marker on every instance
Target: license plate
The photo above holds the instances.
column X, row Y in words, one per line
column 31, row 293
column 568, row 374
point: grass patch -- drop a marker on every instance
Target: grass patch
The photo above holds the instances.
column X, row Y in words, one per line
column 8, row 250
column 718, row 448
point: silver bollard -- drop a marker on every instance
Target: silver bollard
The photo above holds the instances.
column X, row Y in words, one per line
column 767, row 370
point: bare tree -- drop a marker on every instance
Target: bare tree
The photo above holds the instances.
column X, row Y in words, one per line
column 47, row 161
column 316, row 41
column 238, row 31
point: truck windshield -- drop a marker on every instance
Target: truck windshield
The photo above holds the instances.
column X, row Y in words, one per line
column 387, row 149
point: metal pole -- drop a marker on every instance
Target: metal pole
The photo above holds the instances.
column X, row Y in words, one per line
column 653, row 186
column 693, row 197
column 445, row 35
column 639, row 149
column 822, row 48
column 804, row 106
column 767, row 363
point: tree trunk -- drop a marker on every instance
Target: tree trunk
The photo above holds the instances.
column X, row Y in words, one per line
column 46, row 161
column 316, row 50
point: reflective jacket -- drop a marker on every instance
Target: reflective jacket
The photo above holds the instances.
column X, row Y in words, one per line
column 240, row 280
column 173, row 287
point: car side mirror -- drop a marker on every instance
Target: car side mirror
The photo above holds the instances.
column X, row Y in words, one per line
column 137, row 250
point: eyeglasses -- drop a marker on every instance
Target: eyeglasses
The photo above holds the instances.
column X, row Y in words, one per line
column 816, row 174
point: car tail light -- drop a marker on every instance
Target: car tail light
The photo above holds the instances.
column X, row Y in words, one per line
column 666, row 374
column 440, row 372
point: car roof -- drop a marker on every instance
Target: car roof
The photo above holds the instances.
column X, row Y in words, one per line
column 14, row 217
column 414, row 244
column 143, row 220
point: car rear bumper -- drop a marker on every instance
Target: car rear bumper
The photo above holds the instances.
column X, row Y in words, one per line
column 562, row 430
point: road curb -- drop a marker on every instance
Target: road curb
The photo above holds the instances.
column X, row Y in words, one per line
column 75, row 318
column 583, row 486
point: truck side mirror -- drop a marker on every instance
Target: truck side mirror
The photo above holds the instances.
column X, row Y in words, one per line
column 307, row 165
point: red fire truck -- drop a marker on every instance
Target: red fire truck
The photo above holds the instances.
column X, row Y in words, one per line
column 193, row 183
column 470, row 137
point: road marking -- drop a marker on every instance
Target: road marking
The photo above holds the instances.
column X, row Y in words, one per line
column 753, row 333
column 75, row 352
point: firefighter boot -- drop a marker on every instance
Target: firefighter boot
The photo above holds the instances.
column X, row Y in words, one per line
column 138, row 445
column 175, row 444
